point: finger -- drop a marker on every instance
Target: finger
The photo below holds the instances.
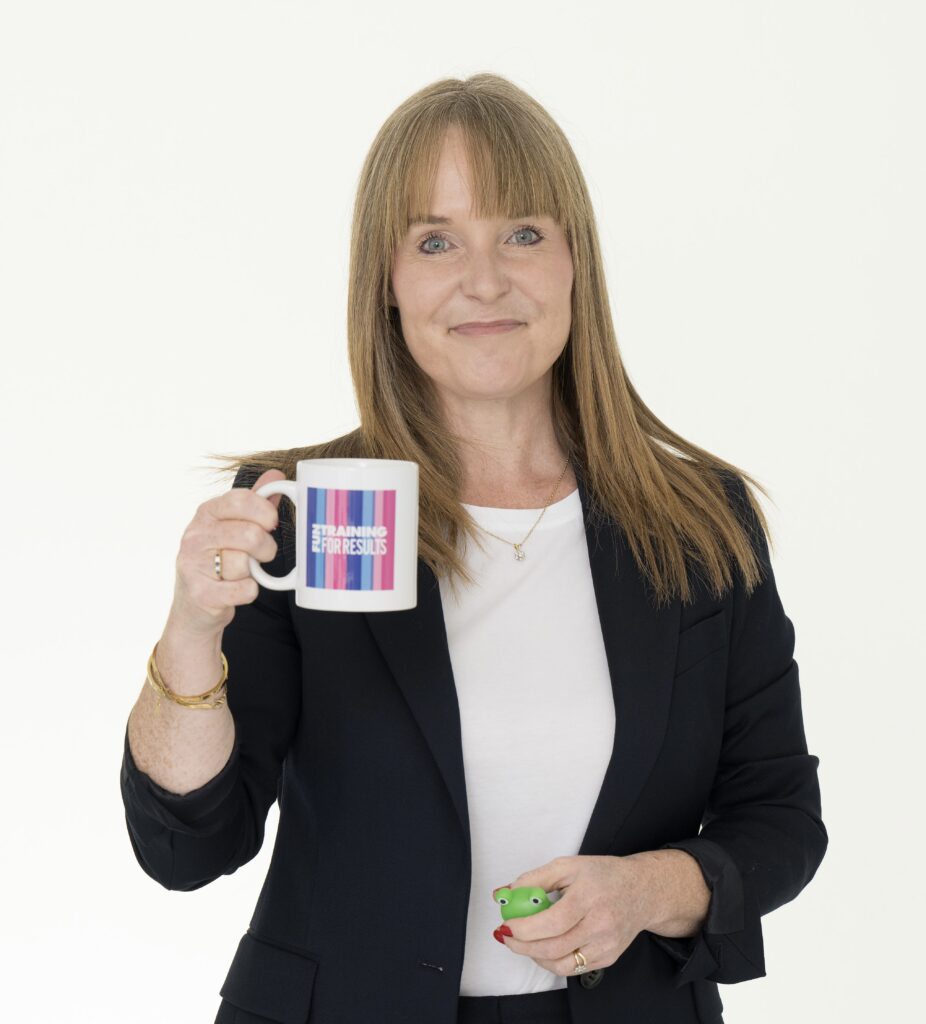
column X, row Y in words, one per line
column 566, row 965
column 243, row 503
column 236, row 539
column 556, row 966
column 554, row 947
column 562, row 916
column 557, row 874
column 234, row 564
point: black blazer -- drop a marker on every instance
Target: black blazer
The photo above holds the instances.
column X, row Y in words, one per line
column 352, row 723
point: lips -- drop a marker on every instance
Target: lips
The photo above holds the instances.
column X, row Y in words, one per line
column 489, row 327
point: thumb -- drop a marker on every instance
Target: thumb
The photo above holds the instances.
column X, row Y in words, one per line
column 267, row 477
column 550, row 877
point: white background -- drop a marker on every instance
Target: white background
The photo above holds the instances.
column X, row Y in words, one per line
column 175, row 192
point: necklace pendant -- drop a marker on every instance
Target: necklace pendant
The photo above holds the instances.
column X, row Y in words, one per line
column 518, row 553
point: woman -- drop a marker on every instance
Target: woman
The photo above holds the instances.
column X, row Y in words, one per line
column 605, row 669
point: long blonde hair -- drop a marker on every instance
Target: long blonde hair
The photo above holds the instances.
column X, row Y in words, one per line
column 666, row 493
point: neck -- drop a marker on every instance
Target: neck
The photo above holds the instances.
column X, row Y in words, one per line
column 510, row 454
column 530, row 486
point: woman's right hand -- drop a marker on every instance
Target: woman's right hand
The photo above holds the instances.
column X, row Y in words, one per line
column 238, row 522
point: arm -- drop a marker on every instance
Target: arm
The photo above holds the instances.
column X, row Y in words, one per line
column 762, row 836
column 186, row 840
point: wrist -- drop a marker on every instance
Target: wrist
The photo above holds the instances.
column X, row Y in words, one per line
column 188, row 666
column 678, row 897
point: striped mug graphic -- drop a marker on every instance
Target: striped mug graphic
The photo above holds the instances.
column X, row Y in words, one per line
column 356, row 535
column 350, row 540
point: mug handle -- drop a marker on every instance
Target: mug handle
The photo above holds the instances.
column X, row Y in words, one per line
column 287, row 582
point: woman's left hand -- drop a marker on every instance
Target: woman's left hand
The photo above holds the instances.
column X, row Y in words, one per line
column 605, row 903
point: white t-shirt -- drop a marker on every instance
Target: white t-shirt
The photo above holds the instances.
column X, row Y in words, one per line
column 536, row 714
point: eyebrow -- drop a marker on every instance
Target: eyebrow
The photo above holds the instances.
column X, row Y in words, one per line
column 430, row 218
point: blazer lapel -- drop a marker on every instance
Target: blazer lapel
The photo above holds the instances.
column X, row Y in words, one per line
column 640, row 644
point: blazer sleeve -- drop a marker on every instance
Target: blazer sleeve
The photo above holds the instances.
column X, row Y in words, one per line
column 184, row 841
column 762, row 836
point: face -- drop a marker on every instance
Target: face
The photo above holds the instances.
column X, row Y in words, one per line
column 448, row 274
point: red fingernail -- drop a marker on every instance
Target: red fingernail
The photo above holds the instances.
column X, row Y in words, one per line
column 505, row 930
column 498, row 937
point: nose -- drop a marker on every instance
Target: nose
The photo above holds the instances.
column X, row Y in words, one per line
column 484, row 276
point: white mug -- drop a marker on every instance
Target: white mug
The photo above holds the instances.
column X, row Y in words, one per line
column 356, row 535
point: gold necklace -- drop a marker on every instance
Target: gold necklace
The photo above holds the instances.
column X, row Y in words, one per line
column 518, row 550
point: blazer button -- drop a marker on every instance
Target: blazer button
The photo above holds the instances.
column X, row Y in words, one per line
column 591, row 978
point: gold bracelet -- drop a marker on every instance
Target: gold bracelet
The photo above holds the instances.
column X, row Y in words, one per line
column 199, row 701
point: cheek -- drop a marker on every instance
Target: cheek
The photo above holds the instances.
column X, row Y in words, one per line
column 425, row 347
column 419, row 298
column 404, row 287
column 550, row 286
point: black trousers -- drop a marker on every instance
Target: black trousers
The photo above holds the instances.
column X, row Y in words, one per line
column 551, row 1007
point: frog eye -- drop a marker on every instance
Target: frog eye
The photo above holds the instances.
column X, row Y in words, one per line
column 535, row 899
column 503, row 900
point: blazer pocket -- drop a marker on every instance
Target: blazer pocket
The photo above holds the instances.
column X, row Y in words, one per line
column 697, row 641
column 270, row 981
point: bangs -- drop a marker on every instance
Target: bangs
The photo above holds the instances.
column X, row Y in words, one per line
column 513, row 175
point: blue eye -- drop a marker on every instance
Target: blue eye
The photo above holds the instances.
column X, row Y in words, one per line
column 440, row 235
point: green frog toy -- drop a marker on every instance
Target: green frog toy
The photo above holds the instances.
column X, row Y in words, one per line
column 521, row 902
